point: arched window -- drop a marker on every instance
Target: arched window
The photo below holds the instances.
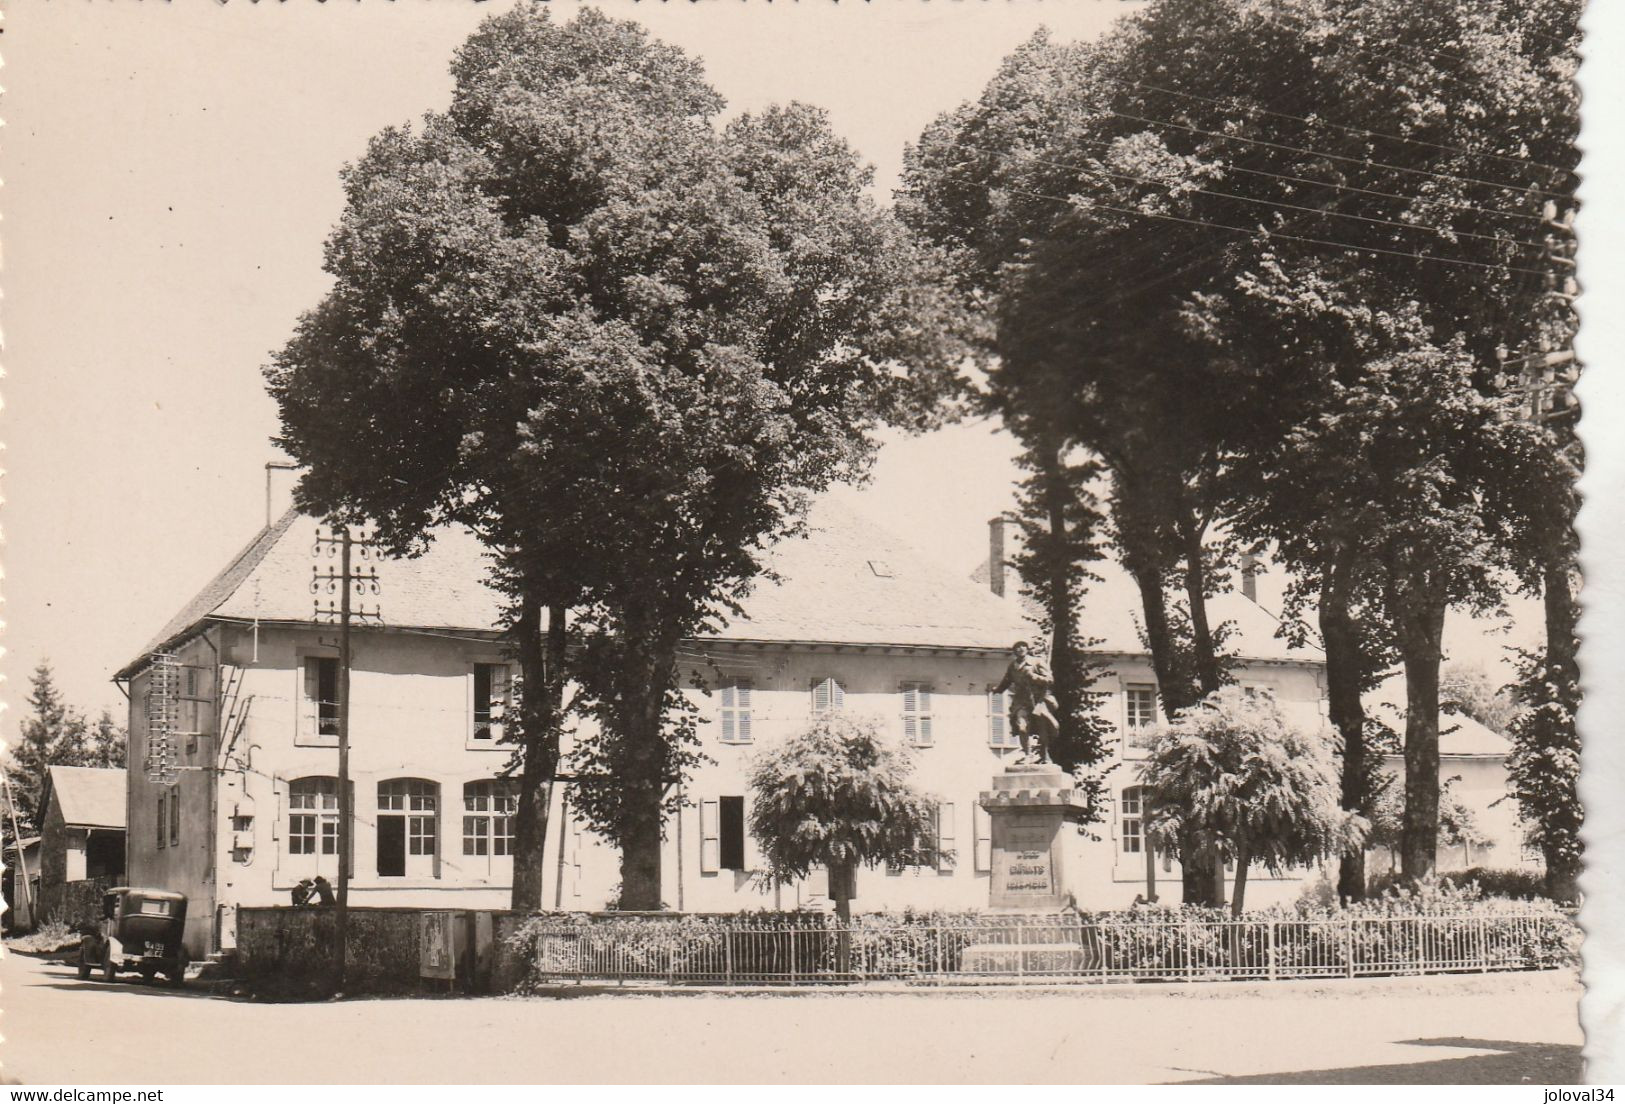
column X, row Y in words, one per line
column 408, row 827
column 489, row 806
column 313, row 816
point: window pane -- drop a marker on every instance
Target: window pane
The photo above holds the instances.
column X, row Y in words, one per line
column 731, row 832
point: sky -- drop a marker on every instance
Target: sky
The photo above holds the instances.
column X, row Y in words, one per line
column 170, row 175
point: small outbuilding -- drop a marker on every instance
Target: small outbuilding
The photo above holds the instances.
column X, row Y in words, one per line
column 82, row 837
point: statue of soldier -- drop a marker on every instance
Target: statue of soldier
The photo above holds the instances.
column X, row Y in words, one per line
column 1032, row 703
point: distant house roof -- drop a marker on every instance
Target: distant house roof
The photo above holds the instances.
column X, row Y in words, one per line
column 1460, row 736
column 846, row 581
column 1112, row 615
column 88, row 797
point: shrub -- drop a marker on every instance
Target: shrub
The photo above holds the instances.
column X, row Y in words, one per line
column 1519, row 884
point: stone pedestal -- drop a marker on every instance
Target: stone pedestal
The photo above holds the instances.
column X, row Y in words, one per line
column 1028, row 808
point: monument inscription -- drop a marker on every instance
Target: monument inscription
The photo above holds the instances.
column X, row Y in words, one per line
column 1023, row 863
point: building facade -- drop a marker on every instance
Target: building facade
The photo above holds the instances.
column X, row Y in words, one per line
column 855, row 623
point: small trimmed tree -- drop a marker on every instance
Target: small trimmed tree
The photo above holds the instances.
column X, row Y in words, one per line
column 837, row 795
column 1233, row 779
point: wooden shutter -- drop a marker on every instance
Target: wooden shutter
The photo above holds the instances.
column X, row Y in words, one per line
column 742, row 711
column 911, row 710
column 984, row 838
column 946, row 860
column 499, row 698
column 996, row 725
column 828, row 696
column 308, row 699
column 728, row 699
column 710, row 842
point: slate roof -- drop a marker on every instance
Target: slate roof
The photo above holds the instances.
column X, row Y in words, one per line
column 89, row 797
column 1112, row 614
column 846, row 582
column 1459, row 735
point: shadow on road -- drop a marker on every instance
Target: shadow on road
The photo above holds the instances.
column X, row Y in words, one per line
column 66, row 978
column 1516, row 1064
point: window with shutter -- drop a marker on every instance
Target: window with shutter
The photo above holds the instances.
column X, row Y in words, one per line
column 710, row 844
column 736, row 705
column 174, row 815
column 917, row 713
column 999, row 734
column 984, row 839
column 828, row 696
column 946, row 859
column 163, row 807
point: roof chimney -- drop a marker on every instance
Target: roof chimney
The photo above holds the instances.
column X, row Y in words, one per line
column 279, row 481
column 995, row 555
column 1249, row 576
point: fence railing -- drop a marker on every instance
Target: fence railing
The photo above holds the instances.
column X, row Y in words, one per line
column 1073, row 949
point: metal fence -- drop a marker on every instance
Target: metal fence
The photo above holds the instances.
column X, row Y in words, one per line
column 1070, row 949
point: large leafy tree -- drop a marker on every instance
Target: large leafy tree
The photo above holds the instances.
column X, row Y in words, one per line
column 621, row 345
column 837, row 795
column 1231, row 775
column 1225, row 222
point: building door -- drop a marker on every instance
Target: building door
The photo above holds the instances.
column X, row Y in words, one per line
column 391, row 846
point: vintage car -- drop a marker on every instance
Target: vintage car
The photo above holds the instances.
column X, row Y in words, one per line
column 141, row 930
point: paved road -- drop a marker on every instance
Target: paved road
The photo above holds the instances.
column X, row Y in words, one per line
column 1481, row 1029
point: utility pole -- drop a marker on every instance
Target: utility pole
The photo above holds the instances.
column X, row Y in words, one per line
column 346, row 582
column 22, row 861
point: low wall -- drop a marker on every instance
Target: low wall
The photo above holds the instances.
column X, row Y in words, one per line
column 76, row 904
column 289, row 951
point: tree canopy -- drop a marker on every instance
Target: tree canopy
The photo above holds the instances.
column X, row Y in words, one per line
column 621, row 344
column 837, row 795
column 1231, row 778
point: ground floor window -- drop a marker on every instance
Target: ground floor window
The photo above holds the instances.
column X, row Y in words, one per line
column 313, row 816
column 489, row 807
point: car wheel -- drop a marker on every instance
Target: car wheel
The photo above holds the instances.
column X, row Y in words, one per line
column 109, row 971
column 87, row 959
column 177, row 970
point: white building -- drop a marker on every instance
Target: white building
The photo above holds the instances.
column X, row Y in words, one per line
column 858, row 623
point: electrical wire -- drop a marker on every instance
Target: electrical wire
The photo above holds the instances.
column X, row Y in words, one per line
column 1336, row 156
column 1320, row 211
column 1360, row 131
column 1416, row 256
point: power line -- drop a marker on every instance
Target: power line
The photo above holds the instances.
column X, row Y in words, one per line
column 1336, row 156
column 1236, row 168
column 1417, row 256
column 1360, row 131
column 1316, row 210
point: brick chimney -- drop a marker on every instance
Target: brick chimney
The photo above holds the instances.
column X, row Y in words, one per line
column 995, row 555
column 1249, row 576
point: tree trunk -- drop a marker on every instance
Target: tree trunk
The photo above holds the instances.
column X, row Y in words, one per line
column 542, row 668
column 640, row 850
column 1243, row 859
column 1061, row 609
column 841, row 882
column 1345, row 678
column 1205, row 656
column 1560, row 844
column 1421, row 625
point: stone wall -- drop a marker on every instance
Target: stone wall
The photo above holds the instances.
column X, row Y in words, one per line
column 289, row 951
